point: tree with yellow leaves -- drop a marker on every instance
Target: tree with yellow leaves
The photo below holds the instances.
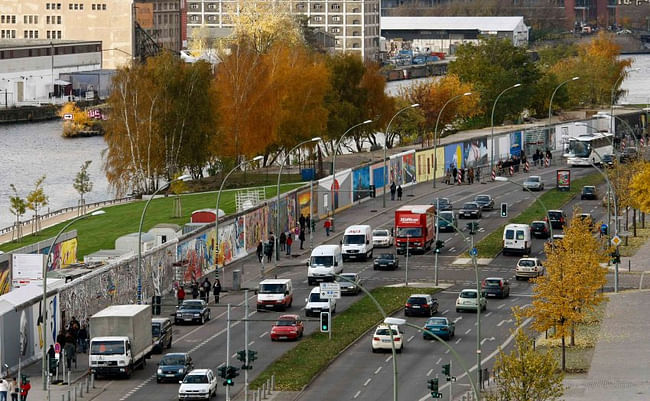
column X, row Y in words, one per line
column 526, row 373
column 570, row 287
column 620, row 177
column 639, row 188
column 79, row 121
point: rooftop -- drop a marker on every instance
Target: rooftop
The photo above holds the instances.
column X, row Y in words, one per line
column 452, row 23
column 6, row 44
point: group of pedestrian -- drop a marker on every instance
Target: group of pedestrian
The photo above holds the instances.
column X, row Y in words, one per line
column 202, row 290
column 539, row 156
column 462, row 176
column 11, row 387
column 395, row 190
column 72, row 338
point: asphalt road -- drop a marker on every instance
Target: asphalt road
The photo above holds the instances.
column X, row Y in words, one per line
column 358, row 373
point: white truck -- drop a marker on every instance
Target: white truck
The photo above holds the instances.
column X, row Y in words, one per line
column 120, row 340
column 357, row 242
column 324, row 260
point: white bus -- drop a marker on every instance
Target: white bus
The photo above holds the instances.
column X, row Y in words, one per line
column 586, row 149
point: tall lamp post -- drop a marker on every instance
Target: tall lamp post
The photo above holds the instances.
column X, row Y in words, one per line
column 45, row 368
column 623, row 75
column 435, row 135
column 414, row 105
column 492, row 123
column 550, row 103
column 336, row 148
column 144, row 211
column 216, row 220
column 277, row 202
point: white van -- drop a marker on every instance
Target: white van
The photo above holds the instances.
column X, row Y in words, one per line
column 516, row 239
column 357, row 242
column 275, row 294
column 315, row 304
column 324, row 260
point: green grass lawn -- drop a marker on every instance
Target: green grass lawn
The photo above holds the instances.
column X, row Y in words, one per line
column 100, row 232
column 492, row 244
column 298, row 366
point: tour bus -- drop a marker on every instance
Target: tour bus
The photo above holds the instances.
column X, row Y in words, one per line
column 588, row 149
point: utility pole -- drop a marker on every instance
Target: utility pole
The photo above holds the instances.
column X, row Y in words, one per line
column 406, row 277
column 227, row 349
column 245, row 345
column 435, row 262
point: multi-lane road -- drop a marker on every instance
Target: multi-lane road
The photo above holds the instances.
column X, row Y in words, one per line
column 358, row 374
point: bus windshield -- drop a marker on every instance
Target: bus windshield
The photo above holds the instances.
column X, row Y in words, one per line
column 579, row 148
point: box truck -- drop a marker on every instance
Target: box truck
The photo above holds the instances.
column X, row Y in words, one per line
column 414, row 228
column 120, row 340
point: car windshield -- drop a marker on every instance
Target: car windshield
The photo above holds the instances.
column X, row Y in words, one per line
column 380, row 233
column 482, row 198
column 417, row 300
column 192, row 306
column 527, row 263
column 155, row 330
column 510, row 234
column 441, row 202
column 468, row 294
column 470, row 206
column 342, row 278
column 385, row 332
column 386, row 256
column 588, row 190
column 271, row 289
column 404, row 232
column 492, row 282
column 533, row 179
column 172, row 360
column 437, row 321
column 195, row 379
column 446, row 216
column 538, row 225
column 322, row 260
column 107, row 348
column 355, row 239
column 315, row 297
column 555, row 215
column 286, row 322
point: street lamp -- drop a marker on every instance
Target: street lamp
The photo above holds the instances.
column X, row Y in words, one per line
column 44, row 307
column 537, row 198
column 623, row 75
column 146, row 205
column 550, row 103
column 435, row 134
column 492, row 123
column 336, row 148
column 277, row 202
column 216, row 219
column 414, row 105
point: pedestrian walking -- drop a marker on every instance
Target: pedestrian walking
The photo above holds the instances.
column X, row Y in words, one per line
column 462, row 175
column 301, row 237
column 327, row 225
column 393, row 189
column 216, row 290
column 24, row 390
column 205, row 289
column 14, row 389
column 269, row 252
column 470, row 175
column 301, row 221
column 478, row 174
column 399, row 192
column 70, row 356
column 260, row 251
column 180, row 294
column 195, row 289
column 454, row 175
column 308, row 222
column 313, row 225
column 283, row 240
column 447, row 177
column 549, row 156
column 82, row 338
column 289, row 242
column 4, row 389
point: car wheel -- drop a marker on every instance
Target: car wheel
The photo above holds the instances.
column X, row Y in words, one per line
column 374, row 351
column 458, row 310
column 399, row 350
column 517, row 278
column 202, row 319
column 169, row 345
column 374, row 268
column 158, row 380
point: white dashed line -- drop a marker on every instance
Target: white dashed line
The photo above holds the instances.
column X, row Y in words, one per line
column 457, row 319
column 429, row 372
column 357, row 394
column 264, row 334
column 488, row 314
column 501, row 323
column 457, row 341
column 251, row 343
column 388, row 359
column 378, row 370
column 367, row 381
column 501, row 306
column 468, row 331
column 444, row 312
column 409, row 339
column 438, row 361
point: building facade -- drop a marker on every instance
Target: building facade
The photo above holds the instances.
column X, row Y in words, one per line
column 111, row 22
column 353, row 23
column 30, row 70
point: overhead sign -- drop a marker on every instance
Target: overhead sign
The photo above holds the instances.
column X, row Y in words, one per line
column 330, row 290
column 616, row 240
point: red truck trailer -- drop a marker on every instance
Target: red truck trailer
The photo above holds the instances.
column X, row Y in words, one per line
column 414, row 224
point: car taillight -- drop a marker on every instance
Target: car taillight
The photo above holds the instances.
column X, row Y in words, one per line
column 425, row 305
column 396, row 338
column 376, row 339
column 562, row 220
column 408, row 305
column 500, row 284
column 483, row 283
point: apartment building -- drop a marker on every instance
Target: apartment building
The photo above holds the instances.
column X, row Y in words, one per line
column 353, row 23
column 111, row 22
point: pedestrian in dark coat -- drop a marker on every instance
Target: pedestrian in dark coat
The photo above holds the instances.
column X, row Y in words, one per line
column 393, row 189
column 195, row 289
column 216, row 290
column 283, row 240
column 399, row 192
column 301, row 221
column 260, row 251
column 308, row 222
column 205, row 288
column 301, row 237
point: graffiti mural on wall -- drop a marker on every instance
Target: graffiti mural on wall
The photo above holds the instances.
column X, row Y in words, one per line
column 197, row 255
column 304, row 202
column 5, row 279
column 515, row 143
column 476, row 152
column 360, row 183
column 377, row 175
column 63, row 254
column 232, row 244
column 408, row 168
column 292, row 219
column 395, row 171
column 256, row 227
column 454, row 156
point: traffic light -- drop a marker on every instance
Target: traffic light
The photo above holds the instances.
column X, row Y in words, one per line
column 325, row 322
column 616, row 257
column 472, row 227
column 222, row 371
column 252, row 355
column 446, row 370
column 439, row 245
column 433, row 387
column 504, row 209
column 231, row 373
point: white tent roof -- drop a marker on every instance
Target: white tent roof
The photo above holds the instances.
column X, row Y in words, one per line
column 452, row 23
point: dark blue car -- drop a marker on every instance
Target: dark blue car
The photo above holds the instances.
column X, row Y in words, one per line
column 440, row 326
column 173, row 367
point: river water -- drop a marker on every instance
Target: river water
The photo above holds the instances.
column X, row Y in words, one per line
column 32, row 150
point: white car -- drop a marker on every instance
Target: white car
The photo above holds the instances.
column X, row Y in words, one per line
column 381, row 338
column 529, row 267
column 199, row 384
column 534, row 183
column 382, row 238
column 315, row 304
column 467, row 300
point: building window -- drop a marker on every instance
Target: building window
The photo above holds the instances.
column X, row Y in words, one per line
column 48, row 34
column 35, row 34
column 336, row 7
column 58, row 34
column 47, row 6
column 336, row 18
column 81, row 6
column 93, row 6
column 104, row 7
column 70, row 6
column 318, row 19
column 58, row 19
column 195, row 6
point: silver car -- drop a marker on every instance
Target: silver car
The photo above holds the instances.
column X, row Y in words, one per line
column 534, row 183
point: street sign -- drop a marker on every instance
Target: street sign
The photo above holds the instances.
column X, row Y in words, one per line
column 330, row 290
column 616, row 240
column 473, row 251
column 68, row 116
column 57, row 348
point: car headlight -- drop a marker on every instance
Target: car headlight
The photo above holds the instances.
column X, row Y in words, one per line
column 197, row 314
column 159, row 371
column 181, row 370
column 179, row 314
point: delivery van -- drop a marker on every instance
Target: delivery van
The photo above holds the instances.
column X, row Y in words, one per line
column 517, row 239
column 275, row 294
column 324, row 260
column 357, row 242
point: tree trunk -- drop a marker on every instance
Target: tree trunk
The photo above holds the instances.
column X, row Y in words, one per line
column 563, row 355
column 573, row 335
column 178, row 207
column 627, row 222
column 634, row 220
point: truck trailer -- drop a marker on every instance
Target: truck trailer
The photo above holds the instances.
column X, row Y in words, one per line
column 414, row 228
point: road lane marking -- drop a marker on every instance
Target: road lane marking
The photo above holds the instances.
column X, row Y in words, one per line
column 388, row 359
column 488, row 314
column 264, row 334
column 251, row 343
column 457, row 319
column 378, row 370
column 367, row 381
column 447, row 351
column 438, row 361
column 457, row 341
column 429, row 372
column 501, row 323
column 444, row 312
column 467, row 331
column 501, row 306
column 409, row 339
column 452, row 249
column 357, row 394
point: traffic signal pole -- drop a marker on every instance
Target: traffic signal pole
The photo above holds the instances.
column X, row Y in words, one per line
column 451, row 380
column 228, row 349
column 245, row 345
column 435, row 262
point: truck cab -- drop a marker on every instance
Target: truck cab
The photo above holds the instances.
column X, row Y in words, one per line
column 111, row 356
column 357, row 242
column 414, row 228
column 275, row 294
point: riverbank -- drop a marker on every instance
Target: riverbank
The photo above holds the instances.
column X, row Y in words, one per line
column 36, row 113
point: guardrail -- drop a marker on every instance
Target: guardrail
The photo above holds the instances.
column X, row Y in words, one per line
column 88, row 206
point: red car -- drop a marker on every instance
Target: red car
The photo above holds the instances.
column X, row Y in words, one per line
column 288, row 327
